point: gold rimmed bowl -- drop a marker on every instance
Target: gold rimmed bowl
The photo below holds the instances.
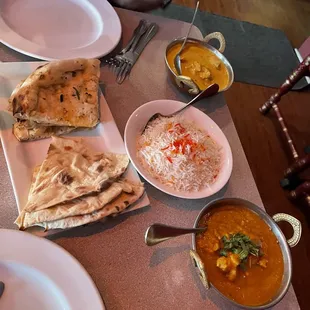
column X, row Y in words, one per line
column 185, row 83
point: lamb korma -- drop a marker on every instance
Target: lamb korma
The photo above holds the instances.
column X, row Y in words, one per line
column 200, row 64
column 242, row 257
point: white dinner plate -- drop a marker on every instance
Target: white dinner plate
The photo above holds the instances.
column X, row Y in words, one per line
column 59, row 29
column 136, row 123
column 39, row 274
column 22, row 157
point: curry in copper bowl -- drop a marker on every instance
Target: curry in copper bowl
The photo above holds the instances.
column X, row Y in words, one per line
column 201, row 63
column 243, row 253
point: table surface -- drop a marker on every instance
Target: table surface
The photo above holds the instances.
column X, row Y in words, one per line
column 128, row 274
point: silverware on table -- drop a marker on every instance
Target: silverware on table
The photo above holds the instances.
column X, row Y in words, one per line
column 115, row 62
column 132, row 55
column 208, row 92
column 157, row 233
column 177, row 59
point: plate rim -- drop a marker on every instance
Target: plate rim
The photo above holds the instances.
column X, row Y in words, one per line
column 21, row 42
column 163, row 188
column 19, row 237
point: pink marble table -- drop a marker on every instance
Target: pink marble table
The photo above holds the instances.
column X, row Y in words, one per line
column 128, row 274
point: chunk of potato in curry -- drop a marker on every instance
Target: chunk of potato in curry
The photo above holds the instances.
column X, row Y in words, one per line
column 261, row 278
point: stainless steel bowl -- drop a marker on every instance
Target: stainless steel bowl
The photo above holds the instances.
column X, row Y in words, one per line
column 185, row 83
column 271, row 222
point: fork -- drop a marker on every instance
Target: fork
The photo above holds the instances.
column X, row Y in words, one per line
column 123, row 59
column 115, row 61
column 132, row 55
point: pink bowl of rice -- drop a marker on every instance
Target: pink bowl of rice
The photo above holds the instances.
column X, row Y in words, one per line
column 186, row 156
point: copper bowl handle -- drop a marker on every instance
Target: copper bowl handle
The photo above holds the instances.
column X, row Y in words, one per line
column 296, row 225
column 201, row 268
column 218, row 36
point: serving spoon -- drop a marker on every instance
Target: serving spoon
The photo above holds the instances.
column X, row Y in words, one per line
column 177, row 59
column 157, row 233
column 208, row 92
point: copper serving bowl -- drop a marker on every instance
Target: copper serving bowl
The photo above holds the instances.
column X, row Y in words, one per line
column 271, row 222
column 185, row 83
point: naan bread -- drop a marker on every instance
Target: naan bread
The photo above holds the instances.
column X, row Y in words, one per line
column 114, row 207
column 34, row 177
column 80, row 206
column 62, row 93
column 18, row 86
column 71, row 170
column 25, row 131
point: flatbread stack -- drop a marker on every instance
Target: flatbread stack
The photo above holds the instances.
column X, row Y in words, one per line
column 75, row 186
column 56, row 98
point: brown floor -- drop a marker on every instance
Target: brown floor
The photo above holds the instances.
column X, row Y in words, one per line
column 291, row 16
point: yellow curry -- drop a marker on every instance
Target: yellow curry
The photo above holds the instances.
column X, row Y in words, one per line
column 242, row 257
column 200, row 64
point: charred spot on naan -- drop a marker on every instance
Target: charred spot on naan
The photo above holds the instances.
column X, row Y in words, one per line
column 85, row 156
column 17, row 108
column 100, row 168
column 14, row 103
column 65, row 178
column 105, row 185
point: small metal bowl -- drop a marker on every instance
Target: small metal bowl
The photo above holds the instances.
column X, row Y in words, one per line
column 185, row 83
column 271, row 222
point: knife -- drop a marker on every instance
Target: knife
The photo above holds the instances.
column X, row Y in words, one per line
column 134, row 53
column 148, row 36
column 142, row 23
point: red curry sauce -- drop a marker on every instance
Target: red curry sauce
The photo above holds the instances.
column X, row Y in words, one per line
column 256, row 284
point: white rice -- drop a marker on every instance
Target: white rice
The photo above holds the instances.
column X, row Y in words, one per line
column 178, row 154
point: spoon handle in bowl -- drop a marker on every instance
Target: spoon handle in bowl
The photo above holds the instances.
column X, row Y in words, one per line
column 157, row 233
column 190, row 27
column 208, row 92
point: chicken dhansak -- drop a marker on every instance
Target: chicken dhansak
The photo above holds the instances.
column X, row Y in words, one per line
column 242, row 257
